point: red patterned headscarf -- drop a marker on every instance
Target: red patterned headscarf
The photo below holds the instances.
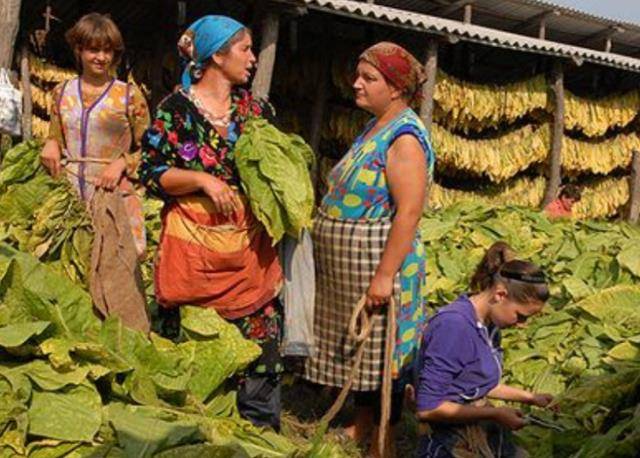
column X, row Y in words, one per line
column 398, row 66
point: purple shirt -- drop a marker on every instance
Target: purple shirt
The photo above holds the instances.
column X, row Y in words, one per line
column 460, row 359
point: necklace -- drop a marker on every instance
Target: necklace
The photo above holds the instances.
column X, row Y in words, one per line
column 223, row 120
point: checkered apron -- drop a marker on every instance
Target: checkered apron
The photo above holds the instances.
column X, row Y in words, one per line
column 347, row 253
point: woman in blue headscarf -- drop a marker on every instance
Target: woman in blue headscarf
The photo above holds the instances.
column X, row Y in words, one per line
column 213, row 252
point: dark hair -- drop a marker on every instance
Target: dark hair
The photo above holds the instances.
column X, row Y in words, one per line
column 95, row 30
column 525, row 281
column 571, row 191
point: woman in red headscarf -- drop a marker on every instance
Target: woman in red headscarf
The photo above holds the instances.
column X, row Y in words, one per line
column 366, row 236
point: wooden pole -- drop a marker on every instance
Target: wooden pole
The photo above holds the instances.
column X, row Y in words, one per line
column 634, row 189
column 468, row 11
column 27, row 103
column 428, row 88
column 542, row 29
column 319, row 104
column 317, row 118
column 607, row 45
column 555, row 159
column 267, row 57
column 9, row 24
column 165, row 16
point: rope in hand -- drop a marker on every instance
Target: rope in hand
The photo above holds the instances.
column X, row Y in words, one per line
column 362, row 315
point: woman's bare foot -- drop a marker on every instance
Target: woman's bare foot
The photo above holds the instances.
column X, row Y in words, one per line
column 362, row 425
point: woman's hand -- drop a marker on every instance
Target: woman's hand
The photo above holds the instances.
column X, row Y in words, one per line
column 51, row 158
column 380, row 290
column 509, row 418
column 410, row 397
column 111, row 175
column 225, row 200
column 541, row 399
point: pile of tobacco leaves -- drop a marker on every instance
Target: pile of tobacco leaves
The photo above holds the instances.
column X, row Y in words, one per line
column 75, row 386
column 72, row 385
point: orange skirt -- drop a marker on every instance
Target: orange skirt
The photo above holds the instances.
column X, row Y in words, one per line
column 208, row 259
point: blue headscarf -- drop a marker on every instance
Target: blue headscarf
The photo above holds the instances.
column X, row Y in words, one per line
column 202, row 40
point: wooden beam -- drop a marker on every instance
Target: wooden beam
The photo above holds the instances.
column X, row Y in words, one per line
column 605, row 34
column 158, row 40
column 27, row 102
column 181, row 17
column 428, row 88
column 267, row 57
column 319, row 104
column 453, row 7
column 293, row 36
column 317, row 120
column 468, row 12
column 634, row 189
column 534, row 20
column 9, row 24
column 555, row 159
column 542, row 29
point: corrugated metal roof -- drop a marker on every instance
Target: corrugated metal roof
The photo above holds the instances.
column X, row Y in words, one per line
column 570, row 26
column 470, row 32
column 571, row 21
column 575, row 12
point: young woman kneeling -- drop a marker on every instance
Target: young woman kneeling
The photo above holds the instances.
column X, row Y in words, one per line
column 460, row 361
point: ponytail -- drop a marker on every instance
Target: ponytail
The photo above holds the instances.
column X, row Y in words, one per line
column 498, row 254
column 525, row 281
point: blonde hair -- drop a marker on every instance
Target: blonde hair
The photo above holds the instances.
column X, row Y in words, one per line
column 98, row 31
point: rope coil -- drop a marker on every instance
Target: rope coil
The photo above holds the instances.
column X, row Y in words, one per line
column 362, row 315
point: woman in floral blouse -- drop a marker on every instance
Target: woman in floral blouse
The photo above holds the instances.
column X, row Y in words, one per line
column 213, row 251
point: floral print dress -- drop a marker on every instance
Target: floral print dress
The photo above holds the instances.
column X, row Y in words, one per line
column 102, row 124
column 358, row 190
column 181, row 136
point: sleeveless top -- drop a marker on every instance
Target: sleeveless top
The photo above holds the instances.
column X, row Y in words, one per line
column 358, row 189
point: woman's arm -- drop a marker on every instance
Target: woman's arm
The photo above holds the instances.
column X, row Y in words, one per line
column 451, row 412
column 407, row 178
column 138, row 118
column 179, row 182
column 510, row 393
column 51, row 155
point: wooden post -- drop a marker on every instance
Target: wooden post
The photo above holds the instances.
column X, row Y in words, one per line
column 267, row 57
column 27, row 103
column 555, row 159
column 542, row 29
column 156, row 70
column 319, row 104
column 293, row 36
column 634, row 189
column 607, row 44
column 9, row 24
column 163, row 37
column 317, row 118
column 468, row 11
column 428, row 88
